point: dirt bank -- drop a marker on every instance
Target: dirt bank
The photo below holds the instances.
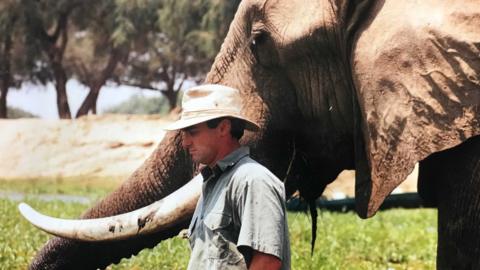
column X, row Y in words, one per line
column 109, row 145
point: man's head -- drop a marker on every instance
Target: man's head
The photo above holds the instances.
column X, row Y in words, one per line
column 237, row 126
column 210, row 141
column 211, row 122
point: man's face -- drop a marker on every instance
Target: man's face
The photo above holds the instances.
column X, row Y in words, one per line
column 202, row 143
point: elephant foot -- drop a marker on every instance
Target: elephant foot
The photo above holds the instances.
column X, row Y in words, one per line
column 456, row 173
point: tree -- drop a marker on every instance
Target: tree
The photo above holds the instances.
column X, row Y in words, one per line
column 216, row 22
column 182, row 47
column 95, row 51
column 153, row 44
column 9, row 34
column 47, row 28
column 7, row 22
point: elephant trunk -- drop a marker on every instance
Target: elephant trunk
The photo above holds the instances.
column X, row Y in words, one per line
column 167, row 169
column 161, row 215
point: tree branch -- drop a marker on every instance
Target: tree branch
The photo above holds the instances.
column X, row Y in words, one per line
column 63, row 20
column 185, row 76
column 141, row 85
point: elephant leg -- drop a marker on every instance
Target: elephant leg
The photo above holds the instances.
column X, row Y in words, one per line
column 456, row 173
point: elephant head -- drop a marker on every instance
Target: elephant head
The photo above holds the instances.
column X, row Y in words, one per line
column 374, row 86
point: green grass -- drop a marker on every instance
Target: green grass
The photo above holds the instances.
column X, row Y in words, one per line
column 393, row 239
column 91, row 187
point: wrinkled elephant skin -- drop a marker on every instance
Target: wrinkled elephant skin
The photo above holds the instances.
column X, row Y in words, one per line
column 374, row 86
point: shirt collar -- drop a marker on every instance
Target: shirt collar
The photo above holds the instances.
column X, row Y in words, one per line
column 231, row 159
column 227, row 162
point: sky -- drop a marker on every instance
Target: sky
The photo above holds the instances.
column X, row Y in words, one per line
column 41, row 100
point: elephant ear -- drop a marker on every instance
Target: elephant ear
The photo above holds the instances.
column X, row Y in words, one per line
column 416, row 70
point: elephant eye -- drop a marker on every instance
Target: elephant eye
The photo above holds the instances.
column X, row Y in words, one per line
column 259, row 38
column 262, row 48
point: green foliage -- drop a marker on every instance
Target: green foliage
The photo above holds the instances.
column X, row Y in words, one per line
column 14, row 60
column 15, row 113
column 133, row 20
column 217, row 21
column 139, row 104
column 181, row 47
column 152, row 44
column 393, row 239
column 43, row 27
column 180, row 23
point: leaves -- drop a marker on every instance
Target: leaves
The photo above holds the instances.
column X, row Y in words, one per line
column 157, row 44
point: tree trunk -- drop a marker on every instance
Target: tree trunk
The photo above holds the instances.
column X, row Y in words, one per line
column 4, row 85
column 3, row 101
column 456, row 175
column 61, row 88
column 170, row 92
column 171, row 96
column 5, row 69
column 54, row 46
column 90, row 102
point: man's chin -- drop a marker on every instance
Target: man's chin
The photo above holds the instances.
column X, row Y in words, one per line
column 196, row 160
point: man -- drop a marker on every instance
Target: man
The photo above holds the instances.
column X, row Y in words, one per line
column 240, row 219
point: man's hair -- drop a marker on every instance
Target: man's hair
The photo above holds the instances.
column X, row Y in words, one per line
column 237, row 126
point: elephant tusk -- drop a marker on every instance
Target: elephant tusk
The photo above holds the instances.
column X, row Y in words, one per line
column 157, row 216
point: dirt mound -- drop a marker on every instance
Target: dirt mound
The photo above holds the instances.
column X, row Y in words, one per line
column 107, row 145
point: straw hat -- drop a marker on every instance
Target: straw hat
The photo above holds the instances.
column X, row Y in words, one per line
column 210, row 101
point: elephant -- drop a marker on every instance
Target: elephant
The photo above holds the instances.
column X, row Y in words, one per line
column 374, row 86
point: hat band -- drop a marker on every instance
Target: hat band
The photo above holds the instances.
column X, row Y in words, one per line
column 209, row 112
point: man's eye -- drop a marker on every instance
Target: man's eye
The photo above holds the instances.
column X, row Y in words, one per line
column 192, row 132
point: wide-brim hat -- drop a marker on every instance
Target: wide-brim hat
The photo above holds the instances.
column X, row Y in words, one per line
column 210, row 101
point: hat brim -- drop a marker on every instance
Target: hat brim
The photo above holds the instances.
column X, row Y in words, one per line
column 184, row 123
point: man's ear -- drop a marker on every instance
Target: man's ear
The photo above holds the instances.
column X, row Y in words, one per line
column 225, row 126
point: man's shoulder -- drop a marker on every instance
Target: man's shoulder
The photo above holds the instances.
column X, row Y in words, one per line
column 247, row 166
column 249, row 171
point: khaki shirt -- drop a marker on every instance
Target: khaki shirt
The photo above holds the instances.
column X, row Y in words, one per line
column 242, row 207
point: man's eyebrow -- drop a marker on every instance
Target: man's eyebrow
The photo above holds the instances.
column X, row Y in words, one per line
column 189, row 129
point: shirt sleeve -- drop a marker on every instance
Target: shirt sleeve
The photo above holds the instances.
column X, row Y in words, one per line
column 260, row 202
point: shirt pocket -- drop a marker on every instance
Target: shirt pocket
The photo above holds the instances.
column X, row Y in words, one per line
column 222, row 251
column 217, row 221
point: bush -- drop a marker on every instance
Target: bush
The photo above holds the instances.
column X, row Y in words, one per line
column 139, row 104
column 15, row 113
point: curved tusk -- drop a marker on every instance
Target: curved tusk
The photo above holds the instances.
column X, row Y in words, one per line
column 152, row 218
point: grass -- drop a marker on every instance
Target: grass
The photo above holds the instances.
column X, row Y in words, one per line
column 90, row 187
column 393, row 239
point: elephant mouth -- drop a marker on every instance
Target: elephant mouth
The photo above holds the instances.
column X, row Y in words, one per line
column 160, row 215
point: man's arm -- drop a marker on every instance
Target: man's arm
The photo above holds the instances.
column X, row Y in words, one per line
column 265, row 261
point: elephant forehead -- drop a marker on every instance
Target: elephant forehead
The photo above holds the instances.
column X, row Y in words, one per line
column 296, row 19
